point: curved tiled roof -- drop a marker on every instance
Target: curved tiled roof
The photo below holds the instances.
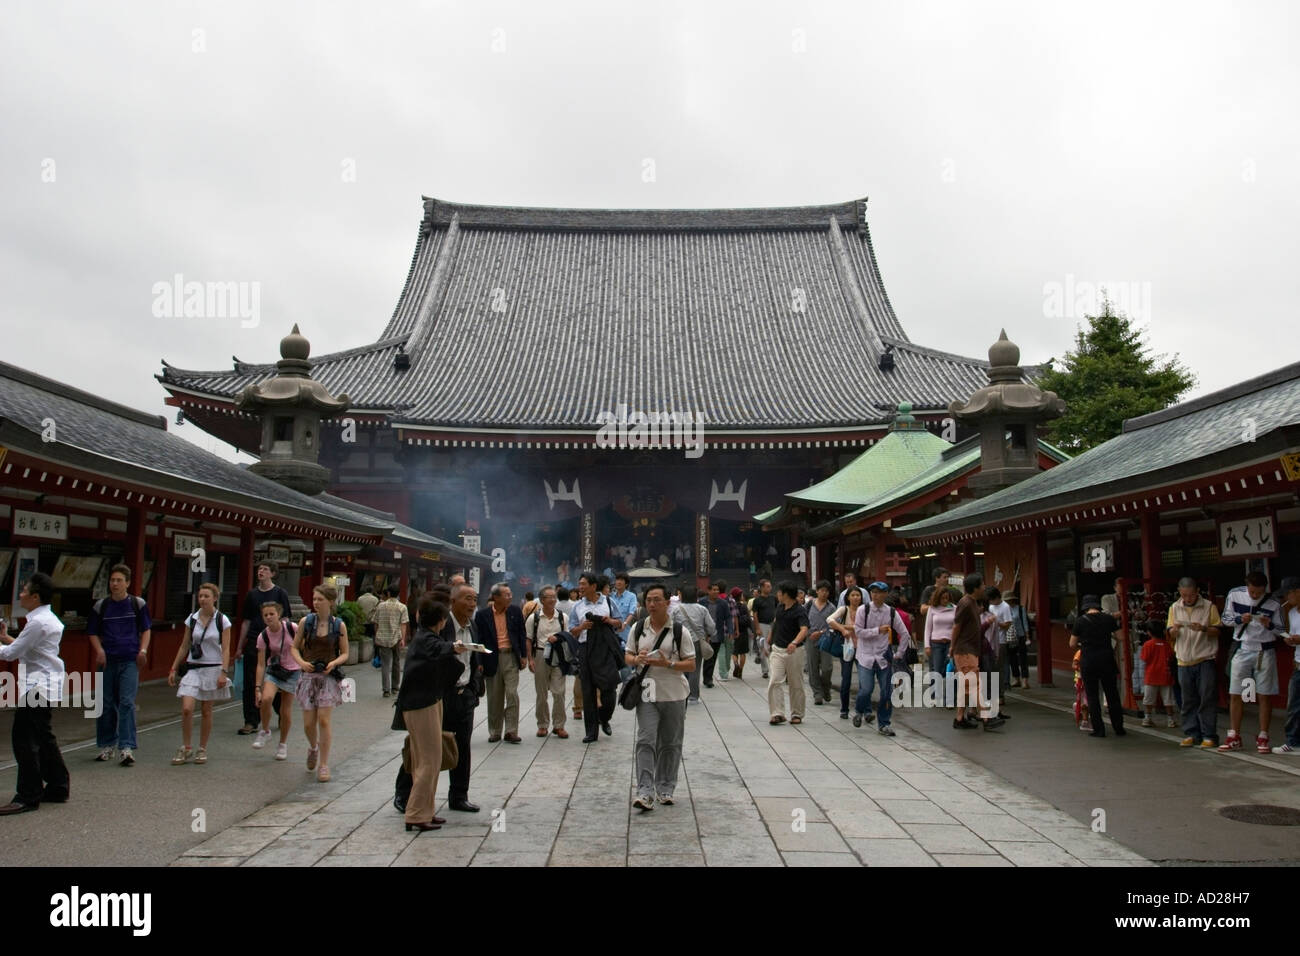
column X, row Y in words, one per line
column 518, row 318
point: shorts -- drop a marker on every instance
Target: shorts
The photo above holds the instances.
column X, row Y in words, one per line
column 965, row 663
column 289, row 686
column 1151, row 694
column 1260, row 665
column 315, row 691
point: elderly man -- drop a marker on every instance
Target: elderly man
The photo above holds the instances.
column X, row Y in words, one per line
column 1193, row 627
column 544, row 626
column 42, row 774
column 458, row 706
column 502, row 624
column 1256, row 617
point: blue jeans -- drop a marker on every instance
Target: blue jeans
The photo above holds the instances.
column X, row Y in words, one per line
column 846, row 681
column 939, row 664
column 1293, row 710
column 115, row 726
column 868, row 678
column 1200, row 700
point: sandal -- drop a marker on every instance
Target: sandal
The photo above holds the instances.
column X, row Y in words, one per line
column 796, row 720
column 201, row 755
column 323, row 774
column 183, row 755
column 778, row 719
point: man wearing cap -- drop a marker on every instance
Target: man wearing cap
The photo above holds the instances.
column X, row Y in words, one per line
column 878, row 629
column 1256, row 619
column 1290, row 592
column 1091, row 633
column 1193, row 628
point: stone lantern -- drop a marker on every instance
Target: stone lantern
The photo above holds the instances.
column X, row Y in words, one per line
column 1007, row 413
column 291, row 405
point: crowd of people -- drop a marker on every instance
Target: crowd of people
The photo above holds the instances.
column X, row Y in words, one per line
column 652, row 653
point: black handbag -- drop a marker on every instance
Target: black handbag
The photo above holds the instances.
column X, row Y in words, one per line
column 630, row 695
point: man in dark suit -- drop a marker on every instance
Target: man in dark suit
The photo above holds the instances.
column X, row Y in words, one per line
column 501, row 627
column 458, row 706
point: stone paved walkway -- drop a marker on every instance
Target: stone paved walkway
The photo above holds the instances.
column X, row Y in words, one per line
column 821, row 794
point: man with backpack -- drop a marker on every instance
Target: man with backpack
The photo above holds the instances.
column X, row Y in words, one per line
column 251, row 626
column 880, row 633
column 119, row 630
column 548, row 665
column 664, row 651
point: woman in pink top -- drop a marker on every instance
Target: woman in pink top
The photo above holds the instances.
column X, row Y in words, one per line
column 938, row 635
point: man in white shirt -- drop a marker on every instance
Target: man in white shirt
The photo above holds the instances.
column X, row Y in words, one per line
column 1002, row 620
column 42, row 775
column 597, row 691
column 543, row 628
column 879, row 630
column 1255, row 617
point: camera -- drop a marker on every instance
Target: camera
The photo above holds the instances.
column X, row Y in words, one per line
column 318, row 666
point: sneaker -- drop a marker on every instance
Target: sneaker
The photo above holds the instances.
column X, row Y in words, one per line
column 666, row 799
column 644, row 804
column 1261, row 744
column 1146, row 721
column 1188, row 742
column 886, row 731
column 1211, row 745
column 282, row 752
column 323, row 774
column 106, row 754
column 128, row 758
column 857, row 720
column 201, row 755
column 869, row 718
column 312, row 754
column 1085, row 726
column 844, row 715
column 183, row 755
column 262, row 737
column 1288, row 749
column 1172, row 723
column 1232, row 743
column 993, row 723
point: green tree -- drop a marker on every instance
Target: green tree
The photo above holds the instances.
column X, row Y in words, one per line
column 1109, row 376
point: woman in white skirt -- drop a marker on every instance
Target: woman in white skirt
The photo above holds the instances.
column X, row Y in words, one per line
column 320, row 648
column 205, row 649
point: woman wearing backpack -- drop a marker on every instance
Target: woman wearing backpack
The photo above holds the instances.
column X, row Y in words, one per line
column 277, row 670
column 205, row 652
column 320, row 647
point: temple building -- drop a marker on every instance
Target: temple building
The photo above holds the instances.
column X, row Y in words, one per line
column 559, row 383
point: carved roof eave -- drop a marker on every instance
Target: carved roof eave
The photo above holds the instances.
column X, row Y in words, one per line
column 1015, row 399
column 282, row 392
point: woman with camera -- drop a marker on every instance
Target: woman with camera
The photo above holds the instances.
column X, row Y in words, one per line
column 276, row 671
column 201, row 664
column 432, row 668
column 320, row 648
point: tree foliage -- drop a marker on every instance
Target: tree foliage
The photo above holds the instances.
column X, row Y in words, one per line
column 1110, row 375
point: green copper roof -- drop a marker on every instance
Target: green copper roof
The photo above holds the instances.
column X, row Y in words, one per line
column 961, row 458
column 900, row 456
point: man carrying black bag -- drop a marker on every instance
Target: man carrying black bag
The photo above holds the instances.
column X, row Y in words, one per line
column 600, row 656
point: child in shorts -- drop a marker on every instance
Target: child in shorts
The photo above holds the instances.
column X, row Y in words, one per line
column 1158, row 673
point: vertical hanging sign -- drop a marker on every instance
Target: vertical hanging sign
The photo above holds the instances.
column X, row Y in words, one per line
column 474, row 542
column 588, row 539
column 702, row 545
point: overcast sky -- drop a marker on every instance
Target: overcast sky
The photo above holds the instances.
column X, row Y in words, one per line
column 1012, row 153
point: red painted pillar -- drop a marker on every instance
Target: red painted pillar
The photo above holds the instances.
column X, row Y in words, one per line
column 1042, row 609
column 135, row 518
column 317, row 566
column 247, row 573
